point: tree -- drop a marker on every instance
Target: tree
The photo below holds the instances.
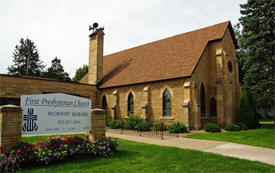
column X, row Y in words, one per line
column 56, row 71
column 80, row 73
column 247, row 112
column 26, row 59
column 256, row 53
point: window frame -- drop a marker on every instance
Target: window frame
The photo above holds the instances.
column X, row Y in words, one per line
column 166, row 103
column 130, row 104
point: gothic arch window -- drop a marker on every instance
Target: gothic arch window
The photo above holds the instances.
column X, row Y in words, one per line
column 230, row 66
column 104, row 103
column 166, row 101
column 213, row 107
column 130, row 104
column 202, row 97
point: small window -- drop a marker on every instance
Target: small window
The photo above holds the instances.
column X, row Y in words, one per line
column 213, row 107
column 230, row 66
column 130, row 104
column 166, row 101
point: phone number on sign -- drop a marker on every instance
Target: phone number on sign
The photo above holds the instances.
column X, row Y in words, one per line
column 68, row 122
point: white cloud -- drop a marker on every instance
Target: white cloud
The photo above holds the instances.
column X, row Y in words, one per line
column 60, row 27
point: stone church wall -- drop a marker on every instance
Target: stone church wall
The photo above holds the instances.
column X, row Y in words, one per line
column 149, row 94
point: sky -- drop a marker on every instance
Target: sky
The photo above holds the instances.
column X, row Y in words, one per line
column 59, row 28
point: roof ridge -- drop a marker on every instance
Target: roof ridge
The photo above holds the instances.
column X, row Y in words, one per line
column 228, row 21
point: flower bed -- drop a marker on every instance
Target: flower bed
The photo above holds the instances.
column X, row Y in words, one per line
column 52, row 150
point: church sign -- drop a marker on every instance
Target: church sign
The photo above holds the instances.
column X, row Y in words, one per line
column 55, row 113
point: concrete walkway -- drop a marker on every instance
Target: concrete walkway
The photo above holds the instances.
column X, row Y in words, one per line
column 241, row 151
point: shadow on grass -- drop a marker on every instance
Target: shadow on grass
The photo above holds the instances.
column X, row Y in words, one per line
column 267, row 126
column 117, row 156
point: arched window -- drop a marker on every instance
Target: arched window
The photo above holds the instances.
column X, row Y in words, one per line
column 230, row 66
column 104, row 103
column 130, row 104
column 202, row 100
column 213, row 107
column 166, row 101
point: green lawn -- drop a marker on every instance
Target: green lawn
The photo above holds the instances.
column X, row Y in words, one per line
column 263, row 137
column 139, row 157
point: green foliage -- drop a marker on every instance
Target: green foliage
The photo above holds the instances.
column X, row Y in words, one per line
column 232, row 127
column 131, row 122
column 242, row 125
column 177, row 128
column 56, row 71
column 256, row 50
column 247, row 112
column 143, row 126
column 160, row 126
column 80, row 73
column 115, row 124
column 211, row 128
column 26, row 59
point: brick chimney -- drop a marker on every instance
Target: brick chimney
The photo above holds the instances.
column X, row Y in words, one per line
column 95, row 73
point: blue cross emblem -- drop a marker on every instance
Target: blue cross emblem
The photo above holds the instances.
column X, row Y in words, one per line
column 30, row 124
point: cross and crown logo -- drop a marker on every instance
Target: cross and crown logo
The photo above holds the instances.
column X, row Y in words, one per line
column 30, row 118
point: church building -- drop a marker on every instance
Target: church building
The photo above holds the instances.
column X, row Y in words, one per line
column 190, row 78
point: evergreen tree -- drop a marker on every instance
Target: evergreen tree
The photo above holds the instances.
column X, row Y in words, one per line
column 26, row 59
column 80, row 73
column 56, row 71
column 247, row 112
column 257, row 50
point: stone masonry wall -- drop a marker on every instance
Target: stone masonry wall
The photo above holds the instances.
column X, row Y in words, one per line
column 10, row 128
column 150, row 95
column 14, row 87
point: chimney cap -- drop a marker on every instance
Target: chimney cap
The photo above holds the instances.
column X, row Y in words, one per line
column 97, row 31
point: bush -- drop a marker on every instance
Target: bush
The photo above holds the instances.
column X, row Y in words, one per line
column 53, row 150
column 132, row 122
column 126, row 125
column 242, row 126
column 24, row 152
column 211, row 128
column 8, row 163
column 177, row 128
column 232, row 127
column 115, row 124
column 160, row 126
column 247, row 112
column 143, row 126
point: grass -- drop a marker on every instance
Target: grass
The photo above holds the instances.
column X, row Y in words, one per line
column 270, row 120
column 138, row 157
column 263, row 137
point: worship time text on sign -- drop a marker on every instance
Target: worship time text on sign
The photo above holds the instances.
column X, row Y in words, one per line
column 55, row 113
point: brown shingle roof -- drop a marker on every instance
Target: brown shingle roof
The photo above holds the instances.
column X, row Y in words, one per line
column 169, row 58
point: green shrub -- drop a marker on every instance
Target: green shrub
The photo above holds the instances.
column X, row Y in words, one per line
column 232, row 127
column 143, row 126
column 242, row 126
column 211, row 128
column 177, row 128
column 131, row 122
column 247, row 112
column 115, row 124
column 160, row 126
